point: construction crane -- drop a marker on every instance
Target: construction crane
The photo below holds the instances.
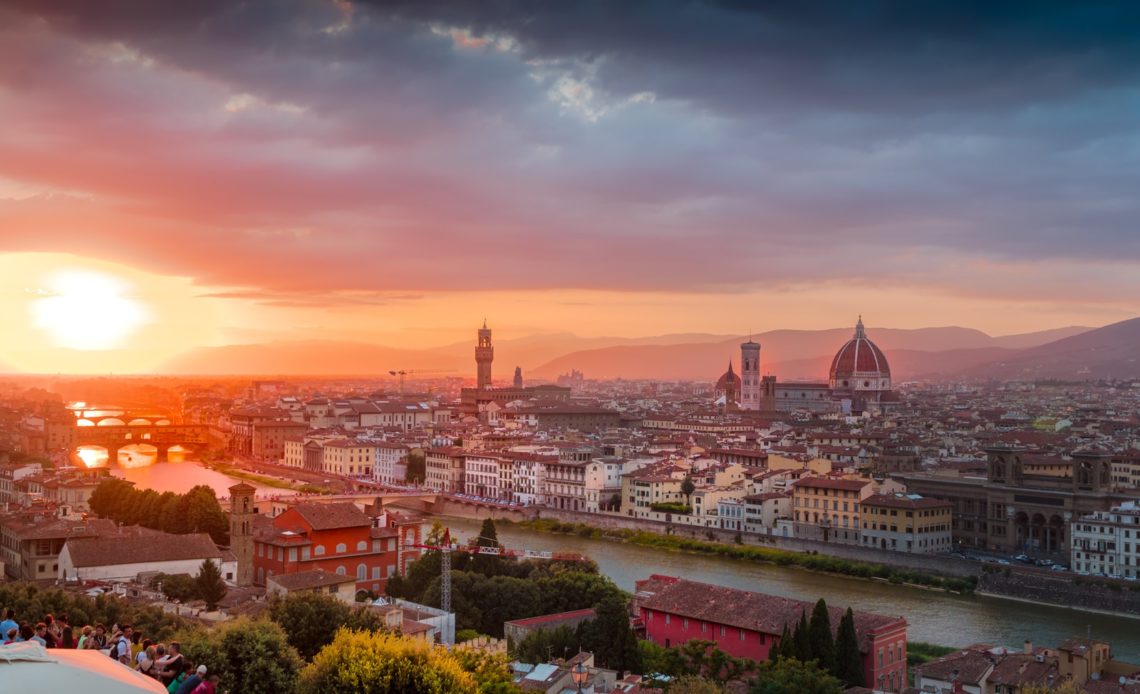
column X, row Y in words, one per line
column 401, row 373
column 448, row 547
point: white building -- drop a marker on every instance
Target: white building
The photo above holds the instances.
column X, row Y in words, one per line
column 481, row 476
column 131, row 551
column 391, row 465
column 1108, row 542
column 603, row 482
column 528, row 477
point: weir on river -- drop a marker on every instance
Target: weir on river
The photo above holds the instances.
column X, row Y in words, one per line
column 934, row 616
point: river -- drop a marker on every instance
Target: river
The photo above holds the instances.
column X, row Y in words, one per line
column 934, row 617
column 181, row 476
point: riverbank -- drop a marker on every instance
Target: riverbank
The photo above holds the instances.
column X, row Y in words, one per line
column 1099, row 598
column 810, row 561
column 264, row 480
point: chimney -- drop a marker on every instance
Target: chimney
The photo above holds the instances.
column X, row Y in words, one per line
column 1028, row 647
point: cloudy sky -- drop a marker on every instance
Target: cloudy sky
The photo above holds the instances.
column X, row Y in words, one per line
column 174, row 174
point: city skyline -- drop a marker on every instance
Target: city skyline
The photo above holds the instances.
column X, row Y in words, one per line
column 389, row 173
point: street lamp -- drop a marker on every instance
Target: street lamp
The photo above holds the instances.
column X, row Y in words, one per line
column 579, row 674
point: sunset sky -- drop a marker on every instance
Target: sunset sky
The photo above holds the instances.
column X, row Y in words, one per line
column 181, row 174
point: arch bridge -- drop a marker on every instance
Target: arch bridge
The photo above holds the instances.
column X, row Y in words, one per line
column 162, row 437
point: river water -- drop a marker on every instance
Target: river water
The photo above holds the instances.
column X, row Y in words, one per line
column 934, row 617
column 179, row 477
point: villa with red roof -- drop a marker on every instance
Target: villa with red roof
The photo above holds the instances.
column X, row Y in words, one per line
column 674, row 611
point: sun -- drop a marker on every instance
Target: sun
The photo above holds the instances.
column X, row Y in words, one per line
column 87, row 310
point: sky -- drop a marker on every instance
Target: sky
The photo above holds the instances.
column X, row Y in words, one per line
column 176, row 175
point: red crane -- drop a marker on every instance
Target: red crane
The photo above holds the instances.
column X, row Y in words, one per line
column 447, row 548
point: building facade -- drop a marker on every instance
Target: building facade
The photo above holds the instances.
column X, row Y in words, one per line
column 827, row 509
column 906, row 523
column 744, row 624
column 1108, row 542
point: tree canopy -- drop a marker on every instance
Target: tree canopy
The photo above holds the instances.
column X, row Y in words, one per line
column 209, row 584
column 311, row 620
column 252, row 657
column 196, row 511
column 820, row 638
column 848, row 660
column 793, row 677
column 359, row 662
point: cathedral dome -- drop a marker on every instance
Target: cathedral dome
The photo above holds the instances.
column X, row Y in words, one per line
column 729, row 381
column 860, row 365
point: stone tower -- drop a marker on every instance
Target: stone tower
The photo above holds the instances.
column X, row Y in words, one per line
column 242, row 514
column 518, row 377
column 484, row 355
column 750, row 375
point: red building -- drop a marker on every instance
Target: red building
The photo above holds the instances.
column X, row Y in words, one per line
column 743, row 624
column 336, row 537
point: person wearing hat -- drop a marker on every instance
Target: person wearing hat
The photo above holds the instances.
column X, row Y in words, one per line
column 193, row 681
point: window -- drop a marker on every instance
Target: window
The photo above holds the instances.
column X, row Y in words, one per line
column 722, row 630
column 361, row 572
column 362, row 546
column 375, row 573
column 304, row 554
column 319, row 550
column 343, row 572
column 292, row 554
column 341, row 548
column 741, row 634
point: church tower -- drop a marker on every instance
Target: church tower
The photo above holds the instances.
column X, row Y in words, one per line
column 484, row 355
column 750, row 391
column 242, row 513
column 518, row 377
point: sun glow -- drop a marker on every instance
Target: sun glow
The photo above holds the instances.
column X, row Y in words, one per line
column 87, row 310
column 92, row 456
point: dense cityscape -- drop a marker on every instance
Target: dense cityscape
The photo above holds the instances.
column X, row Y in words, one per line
column 569, row 347
column 355, row 491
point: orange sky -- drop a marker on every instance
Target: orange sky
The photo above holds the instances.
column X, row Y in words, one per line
column 132, row 321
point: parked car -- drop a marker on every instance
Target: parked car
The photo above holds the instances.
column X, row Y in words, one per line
column 1003, row 562
column 1058, row 567
column 1023, row 558
column 1044, row 562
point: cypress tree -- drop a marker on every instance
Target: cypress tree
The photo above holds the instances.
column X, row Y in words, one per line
column 802, row 640
column 819, row 634
column 788, row 645
column 777, row 650
column 848, row 661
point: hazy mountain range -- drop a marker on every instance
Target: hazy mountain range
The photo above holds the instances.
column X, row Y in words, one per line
column 949, row 352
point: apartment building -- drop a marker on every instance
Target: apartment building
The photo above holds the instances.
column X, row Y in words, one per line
column 906, row 523
column 1108, row 542
column 827, row 508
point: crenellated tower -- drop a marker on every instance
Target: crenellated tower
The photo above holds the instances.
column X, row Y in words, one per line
column 484, row 355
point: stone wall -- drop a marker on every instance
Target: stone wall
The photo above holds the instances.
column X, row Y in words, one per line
column 1060, row 590
column 937, row 564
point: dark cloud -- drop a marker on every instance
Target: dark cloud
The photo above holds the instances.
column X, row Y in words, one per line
column 304, row 146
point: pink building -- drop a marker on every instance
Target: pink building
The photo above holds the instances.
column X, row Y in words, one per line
column 746, row 625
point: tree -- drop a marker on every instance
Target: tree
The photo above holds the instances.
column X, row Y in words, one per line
column 802, row 640
column 692, row 684
column 310, row 620
column 610, row 637
column 252, row 657
column 819, row 634
column 180, row 587
column 416, row 470
column 687, row 488
column 848, row 660
column 487, row 564
column 378, row 663
column 793, row 677
column 777, row 650
column 210, row 585
column 541, row 645
column 492, row 671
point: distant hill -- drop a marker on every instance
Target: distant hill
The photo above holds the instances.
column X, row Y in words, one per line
column 789, row 354
column 793, row 354
column 1109, row 352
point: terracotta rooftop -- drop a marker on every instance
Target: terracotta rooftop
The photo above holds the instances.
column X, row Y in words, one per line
column 332, row 516
column 140, row 548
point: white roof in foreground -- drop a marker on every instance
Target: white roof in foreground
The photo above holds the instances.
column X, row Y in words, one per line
column 26, row 667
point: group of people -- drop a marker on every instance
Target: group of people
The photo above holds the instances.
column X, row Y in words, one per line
column 163, row 662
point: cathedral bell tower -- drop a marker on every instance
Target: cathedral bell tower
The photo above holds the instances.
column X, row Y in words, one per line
column 242, row 513
column 484, row 355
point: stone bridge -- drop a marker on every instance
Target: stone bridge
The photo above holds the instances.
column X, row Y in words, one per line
column 163, row 438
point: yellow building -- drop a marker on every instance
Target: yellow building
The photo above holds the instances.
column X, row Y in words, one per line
column 906, row 523
column 826, row 508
